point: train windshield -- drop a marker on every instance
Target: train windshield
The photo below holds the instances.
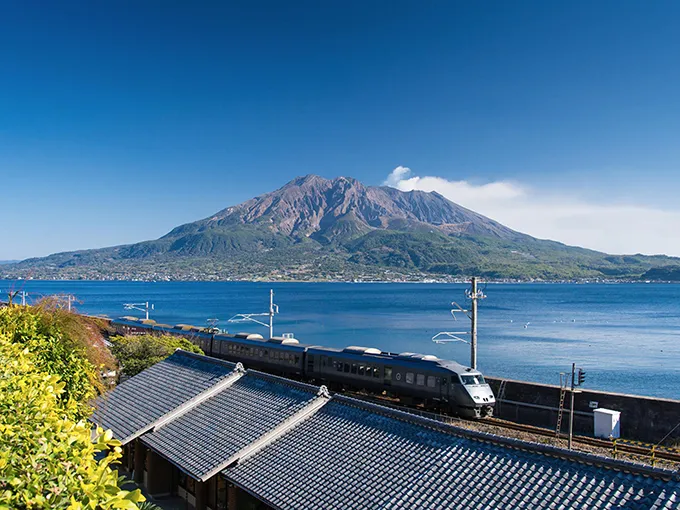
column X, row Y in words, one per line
column 473, row 379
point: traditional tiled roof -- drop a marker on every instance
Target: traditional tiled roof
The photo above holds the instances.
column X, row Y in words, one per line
column 361, row 456
column 294, row 449
column 208, row 435
column 134, row 406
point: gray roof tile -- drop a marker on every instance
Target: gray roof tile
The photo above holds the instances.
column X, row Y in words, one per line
column 348, row 455
column 140, row 401
column 209, row 434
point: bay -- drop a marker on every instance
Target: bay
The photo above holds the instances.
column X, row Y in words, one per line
column 625, row 336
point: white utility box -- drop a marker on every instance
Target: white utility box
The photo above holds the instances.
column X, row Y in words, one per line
column 607, row 423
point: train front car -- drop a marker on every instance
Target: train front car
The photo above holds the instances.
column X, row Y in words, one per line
column 471, row 393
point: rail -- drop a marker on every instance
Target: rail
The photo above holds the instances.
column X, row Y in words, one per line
column 617, row 447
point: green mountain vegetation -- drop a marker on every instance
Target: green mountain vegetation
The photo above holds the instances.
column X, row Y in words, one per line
column 314, row 228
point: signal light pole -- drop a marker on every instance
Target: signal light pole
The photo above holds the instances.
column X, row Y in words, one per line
column 574, row 382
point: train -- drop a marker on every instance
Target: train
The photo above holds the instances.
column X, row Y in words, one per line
column 410, row 378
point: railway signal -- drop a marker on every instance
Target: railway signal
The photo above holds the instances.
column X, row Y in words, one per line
column 581, row 377
column 575, row 381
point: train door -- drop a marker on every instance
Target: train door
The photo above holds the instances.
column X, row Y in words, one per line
column 444, row 389
column 310, row 366
column 388, row 376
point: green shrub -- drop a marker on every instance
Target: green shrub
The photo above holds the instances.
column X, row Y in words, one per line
column 138, row 352
column 62, row 345
column 47, row 455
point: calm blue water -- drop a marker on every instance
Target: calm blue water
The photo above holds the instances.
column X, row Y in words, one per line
column 626, row 337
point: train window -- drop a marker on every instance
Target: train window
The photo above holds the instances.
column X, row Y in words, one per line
column 324, row 360
column 472, row 379
column 266, row 352
column 297, row 359
column 420, row 379
column 354, row 368
column 338, row 365
column 347, row 368
column 409, row 377
column 362, row 370
column 376, row 372
column 430, row 381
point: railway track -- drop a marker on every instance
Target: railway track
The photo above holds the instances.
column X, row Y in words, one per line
column 649, row 452
column 618, row 446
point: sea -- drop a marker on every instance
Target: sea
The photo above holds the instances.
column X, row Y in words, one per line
column 626, row 337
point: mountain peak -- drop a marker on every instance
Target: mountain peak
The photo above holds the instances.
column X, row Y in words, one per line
column 313, row 225
column 313, row 179
column 306, row 179
column 333, row 210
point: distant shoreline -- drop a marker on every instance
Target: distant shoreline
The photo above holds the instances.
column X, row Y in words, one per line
column 415, row 282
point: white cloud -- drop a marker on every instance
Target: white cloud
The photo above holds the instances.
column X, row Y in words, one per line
column 612, row 228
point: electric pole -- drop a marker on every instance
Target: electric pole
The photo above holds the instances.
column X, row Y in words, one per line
column 271, row 313
column 251, row 317
column 142, row 307
column 473, row 324
column 23, row 298
column 571, row 412
column 474, row 295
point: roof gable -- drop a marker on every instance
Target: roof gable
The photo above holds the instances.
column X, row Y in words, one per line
column 134, row 406
column 211, row 433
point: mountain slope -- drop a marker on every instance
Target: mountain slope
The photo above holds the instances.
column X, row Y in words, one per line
column 319, row 227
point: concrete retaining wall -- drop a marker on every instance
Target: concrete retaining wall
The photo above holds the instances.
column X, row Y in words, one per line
column 642, row 418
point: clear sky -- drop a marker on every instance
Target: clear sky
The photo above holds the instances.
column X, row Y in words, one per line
column 120, row 120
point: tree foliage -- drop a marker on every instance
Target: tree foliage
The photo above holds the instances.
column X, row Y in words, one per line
column 62, row 345
column 138, row 352
column 47, row 454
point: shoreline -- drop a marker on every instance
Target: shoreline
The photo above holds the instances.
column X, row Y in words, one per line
column 426, row 281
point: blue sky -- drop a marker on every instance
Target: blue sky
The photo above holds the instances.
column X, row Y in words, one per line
column 121, row 120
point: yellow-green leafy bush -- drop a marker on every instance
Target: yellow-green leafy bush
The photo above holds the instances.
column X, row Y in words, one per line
column 47, row 455
column 60, row 344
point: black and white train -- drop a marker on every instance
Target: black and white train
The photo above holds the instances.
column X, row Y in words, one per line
column 410, row 377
